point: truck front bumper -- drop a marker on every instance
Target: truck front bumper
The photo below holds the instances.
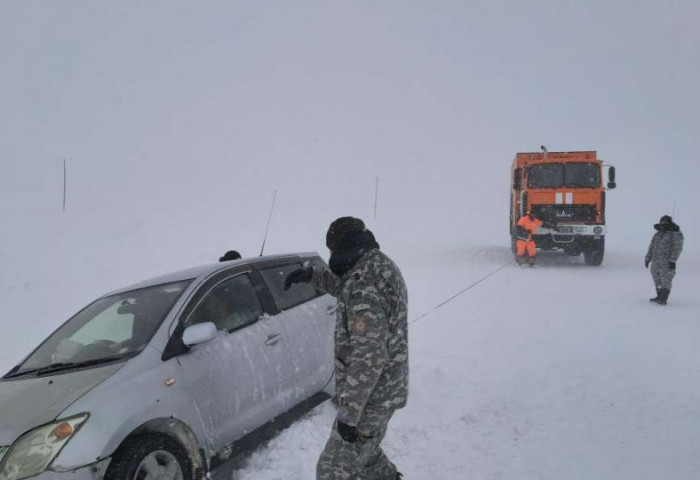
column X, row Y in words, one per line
column 574, row 229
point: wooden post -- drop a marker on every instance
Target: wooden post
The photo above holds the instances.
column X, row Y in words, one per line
column 376, row 195
column 64, row 184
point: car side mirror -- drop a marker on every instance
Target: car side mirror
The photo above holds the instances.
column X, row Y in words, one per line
column 611, row 185
column 199, row 333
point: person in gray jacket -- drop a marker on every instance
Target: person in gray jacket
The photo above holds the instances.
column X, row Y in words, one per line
column 371, row 350
column 663, row 253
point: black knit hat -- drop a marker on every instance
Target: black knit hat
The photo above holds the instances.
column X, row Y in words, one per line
column 230, row 255
column 340, row 227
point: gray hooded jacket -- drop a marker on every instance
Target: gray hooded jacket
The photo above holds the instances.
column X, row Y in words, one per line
column 665, row 246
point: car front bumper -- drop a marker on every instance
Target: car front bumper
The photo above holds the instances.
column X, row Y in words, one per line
column 94, row 471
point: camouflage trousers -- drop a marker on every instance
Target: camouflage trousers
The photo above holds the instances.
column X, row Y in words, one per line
column 663, row 277
column 361, row 460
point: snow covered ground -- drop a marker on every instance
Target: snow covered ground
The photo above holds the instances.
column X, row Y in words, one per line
column 561, row 371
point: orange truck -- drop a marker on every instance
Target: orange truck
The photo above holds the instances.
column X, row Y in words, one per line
column 566, row 191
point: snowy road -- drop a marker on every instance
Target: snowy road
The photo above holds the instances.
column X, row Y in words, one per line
column 558, row 372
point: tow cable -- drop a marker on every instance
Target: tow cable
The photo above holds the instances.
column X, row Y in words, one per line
column 464, row 290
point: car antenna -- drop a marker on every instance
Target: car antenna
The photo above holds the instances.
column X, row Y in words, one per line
column 267, row 229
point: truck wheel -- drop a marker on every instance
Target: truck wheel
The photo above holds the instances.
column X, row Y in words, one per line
column 593, row 253
column 150, row 456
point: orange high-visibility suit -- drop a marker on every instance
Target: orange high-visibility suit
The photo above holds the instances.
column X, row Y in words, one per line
column 527, row 226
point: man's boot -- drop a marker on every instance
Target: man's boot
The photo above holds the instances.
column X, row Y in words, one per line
column 656, row 298
column 519, row 260
column 663, row 296
column 531, row 261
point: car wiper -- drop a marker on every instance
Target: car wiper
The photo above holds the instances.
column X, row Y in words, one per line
column 14, row 373
column 57, row 367
column 47, row 369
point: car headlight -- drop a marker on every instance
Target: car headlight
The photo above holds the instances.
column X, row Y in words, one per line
column 34, row 451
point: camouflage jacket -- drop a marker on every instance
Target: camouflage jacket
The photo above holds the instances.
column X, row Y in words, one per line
column 371, row 335
column 665, row 246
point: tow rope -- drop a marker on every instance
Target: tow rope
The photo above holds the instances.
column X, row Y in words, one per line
column 460, row 292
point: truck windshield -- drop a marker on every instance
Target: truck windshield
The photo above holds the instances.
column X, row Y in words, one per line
column 548, row 175
column 557, row 175
column 582, row 175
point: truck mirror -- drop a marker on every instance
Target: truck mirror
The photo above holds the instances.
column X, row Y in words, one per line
column 611, row 175
column 611, row 185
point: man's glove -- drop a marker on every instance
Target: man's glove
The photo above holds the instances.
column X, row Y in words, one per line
column 300, row 275
column 347, row 432
column 672, row 265
column 646, row 263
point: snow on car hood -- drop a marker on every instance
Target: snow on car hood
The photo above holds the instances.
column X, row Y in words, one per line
column 26, row 403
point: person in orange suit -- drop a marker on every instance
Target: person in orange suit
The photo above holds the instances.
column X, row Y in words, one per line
column 526, row 227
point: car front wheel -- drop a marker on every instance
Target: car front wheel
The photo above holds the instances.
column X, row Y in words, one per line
column 149, row 457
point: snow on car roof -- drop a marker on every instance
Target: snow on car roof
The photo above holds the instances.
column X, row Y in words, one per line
column 204, row 271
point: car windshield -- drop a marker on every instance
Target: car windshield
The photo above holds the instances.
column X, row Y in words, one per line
column 557, row 175
column 111, row 328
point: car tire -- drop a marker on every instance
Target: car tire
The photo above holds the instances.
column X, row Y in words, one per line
column 148, row 456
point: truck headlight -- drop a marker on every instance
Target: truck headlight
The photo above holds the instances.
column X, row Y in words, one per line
column 598, row 230
column 34, row 451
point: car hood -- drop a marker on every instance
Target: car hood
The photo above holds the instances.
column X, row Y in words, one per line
column 26, row 403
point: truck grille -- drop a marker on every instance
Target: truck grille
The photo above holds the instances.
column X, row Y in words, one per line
column 565, row 213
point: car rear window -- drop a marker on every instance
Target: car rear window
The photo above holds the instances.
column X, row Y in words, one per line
column 298, row 293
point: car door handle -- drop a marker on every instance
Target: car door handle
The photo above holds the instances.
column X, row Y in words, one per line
column 273, row 339
column 332, row 309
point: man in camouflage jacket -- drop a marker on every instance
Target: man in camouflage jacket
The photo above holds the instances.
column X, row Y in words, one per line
column 371, row 350
column 663, row 253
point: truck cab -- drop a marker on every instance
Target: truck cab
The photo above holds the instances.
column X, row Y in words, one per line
column 567, row 191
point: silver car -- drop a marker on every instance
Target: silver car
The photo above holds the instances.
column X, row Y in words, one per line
column 163, row 379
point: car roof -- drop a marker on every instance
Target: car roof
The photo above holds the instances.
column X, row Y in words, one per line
column 204, row 271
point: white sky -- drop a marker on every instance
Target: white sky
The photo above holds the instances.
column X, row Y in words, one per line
column 179, row 117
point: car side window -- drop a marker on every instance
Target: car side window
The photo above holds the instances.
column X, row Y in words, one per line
column 297, row 294
column 230, row 305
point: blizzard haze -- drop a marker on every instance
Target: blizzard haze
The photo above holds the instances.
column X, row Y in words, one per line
column 178, row 121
